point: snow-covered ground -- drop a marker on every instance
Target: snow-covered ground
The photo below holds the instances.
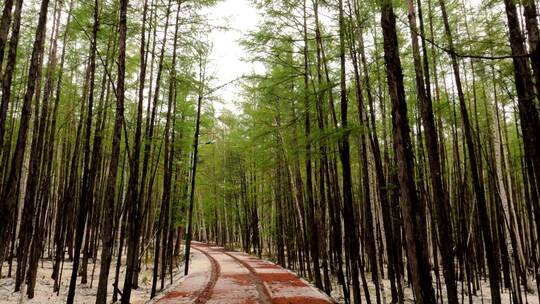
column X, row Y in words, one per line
column 481, row 296
column 85, row 293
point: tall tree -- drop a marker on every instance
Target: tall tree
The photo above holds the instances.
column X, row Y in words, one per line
column 107, row 234
column 36, row 168
column 7, row 203
column 5, row 21
column 351, row 238
column 311, row 211
column 4, row 29
column 85, row 200
column 528, row 112
column 189, row 233
column 10, row 191
column 412, row 209
column 167, row 174
column 444, row 224
column 491, row 253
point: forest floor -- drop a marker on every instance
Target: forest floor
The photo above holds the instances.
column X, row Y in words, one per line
column 216, row 276
column 481, row 296
column 85, row 293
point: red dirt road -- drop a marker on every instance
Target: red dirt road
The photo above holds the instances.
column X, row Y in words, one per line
column 226, row 277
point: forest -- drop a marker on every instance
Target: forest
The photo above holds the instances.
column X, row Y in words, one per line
column 385, row 151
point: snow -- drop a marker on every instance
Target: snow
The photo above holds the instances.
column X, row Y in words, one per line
column 482, row 296
column 199, row 272
column 85, row 293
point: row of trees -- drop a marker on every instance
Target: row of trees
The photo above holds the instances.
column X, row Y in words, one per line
column 386, row 141
column 98, row 107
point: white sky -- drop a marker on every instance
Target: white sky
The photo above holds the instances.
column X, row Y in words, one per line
column 226, row 57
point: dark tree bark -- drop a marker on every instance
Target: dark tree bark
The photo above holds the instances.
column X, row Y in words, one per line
column 311, row 209
column 167, row 174
column 444, row 225
column 369, row 229
column 87, row 194
column 11, row 191
column 58, row 231
column 530, row 13
column 189, row 233
column 351, row 237
column 135, row 210
column 133, row 196
column 528, row 113
column 4, row 28
column 382, row 186
column 411, row 207
column 107, row 233
column 86, row 198
column 7, row 203
column 491, row 254
column 33, row 180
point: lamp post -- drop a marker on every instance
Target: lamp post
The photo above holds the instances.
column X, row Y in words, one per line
column 194, row 160
column 192, row 192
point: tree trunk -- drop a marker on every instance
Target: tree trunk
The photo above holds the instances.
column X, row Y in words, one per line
column 443, row 222
column 311, row 212
column 351, row 238
column 491, row 254
column 167, row 174
column 411, row 207
column 528, row 113
column 86, row 193
column 4, row 28
column 107, row 233
column 7, row 203
column 37, row 243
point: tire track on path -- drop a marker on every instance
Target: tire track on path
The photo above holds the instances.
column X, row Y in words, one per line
column 206, row 293
column 229, row 277
column 264, row 293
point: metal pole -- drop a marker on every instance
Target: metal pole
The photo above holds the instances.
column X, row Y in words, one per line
column 192, row 192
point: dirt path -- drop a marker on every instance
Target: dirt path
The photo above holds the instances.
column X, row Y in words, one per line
column 225, row 277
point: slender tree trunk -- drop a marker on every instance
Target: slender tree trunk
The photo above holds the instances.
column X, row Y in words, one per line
column 491, row 254
column 167, row 174
column 5, row 21
column 528, row 113
column 58, row 229
column 194, row 165
column 4, row 28
column 411, row 207
column 351, row 238
column 133, row 197
column 369, row 229
column 8, row 203
column 38, row 242
column 311, row 212
column 11, row 191
column 135, row 210
column 443, row 222
column 107, row 233
column 86, row 193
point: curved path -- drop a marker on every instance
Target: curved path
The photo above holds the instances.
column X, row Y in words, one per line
column 224, row 277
